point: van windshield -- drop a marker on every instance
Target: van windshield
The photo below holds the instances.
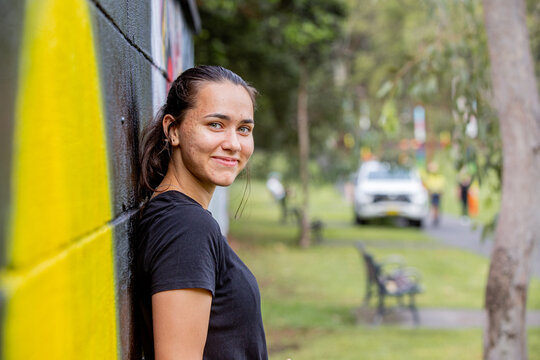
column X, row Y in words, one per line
column 390, row 174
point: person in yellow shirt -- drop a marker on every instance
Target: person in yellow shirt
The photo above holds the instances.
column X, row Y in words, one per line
column 434, row 182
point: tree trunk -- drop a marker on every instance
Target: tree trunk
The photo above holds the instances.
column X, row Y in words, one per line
column 516, row 101
column 303, row 143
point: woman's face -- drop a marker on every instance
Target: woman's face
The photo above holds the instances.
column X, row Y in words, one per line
column 216, row 136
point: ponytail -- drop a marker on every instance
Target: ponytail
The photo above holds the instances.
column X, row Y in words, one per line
column 155, row 156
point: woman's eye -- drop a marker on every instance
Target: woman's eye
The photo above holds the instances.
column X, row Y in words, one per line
column 216, row 125
column 244, row 129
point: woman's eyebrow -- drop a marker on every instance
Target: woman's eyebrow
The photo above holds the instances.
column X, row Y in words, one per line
column 226, row 117
column 218, row 115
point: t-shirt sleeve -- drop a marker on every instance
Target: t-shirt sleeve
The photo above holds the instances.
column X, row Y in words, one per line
column 185, row 255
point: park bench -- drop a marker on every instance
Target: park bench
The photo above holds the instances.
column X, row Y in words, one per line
column 390, row 278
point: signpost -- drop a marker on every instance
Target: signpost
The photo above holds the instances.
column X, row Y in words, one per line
column 419, row 116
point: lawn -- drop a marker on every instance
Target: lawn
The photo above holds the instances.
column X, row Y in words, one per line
column 309, row 296
column 383, row 343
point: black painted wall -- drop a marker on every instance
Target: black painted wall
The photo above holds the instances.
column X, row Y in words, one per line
column 123, row 35
column 123, row 29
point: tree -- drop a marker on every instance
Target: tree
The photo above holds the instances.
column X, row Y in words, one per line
column 259, row 40
column 280, row 46
column 457, row 54
column 517, row 103
column 396, row 56
column 444, row 65
column 310, row 28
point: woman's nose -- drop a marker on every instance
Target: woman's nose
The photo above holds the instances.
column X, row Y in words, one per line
column 231, row 142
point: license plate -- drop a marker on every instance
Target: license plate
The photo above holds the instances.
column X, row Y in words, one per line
column 392, row 212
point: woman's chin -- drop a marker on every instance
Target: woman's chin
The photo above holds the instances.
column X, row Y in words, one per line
column 224, row 178
column 225, row 181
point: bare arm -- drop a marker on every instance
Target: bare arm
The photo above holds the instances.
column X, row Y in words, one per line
column 180, row 320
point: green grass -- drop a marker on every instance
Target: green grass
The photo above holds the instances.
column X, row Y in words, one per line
column 307, row 288
column 375, row 234
column 260, row 219
column 451, row 278
column 384, row 343
column 309, row 296
column 290, row 276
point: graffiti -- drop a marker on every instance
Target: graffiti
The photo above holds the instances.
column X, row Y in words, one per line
column 66, row 247
column 60, row 245
column 171, row 43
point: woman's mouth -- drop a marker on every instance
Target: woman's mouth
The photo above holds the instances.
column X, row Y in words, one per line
column 226, row 161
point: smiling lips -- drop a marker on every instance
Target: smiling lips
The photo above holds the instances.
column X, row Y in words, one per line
column 226, row 161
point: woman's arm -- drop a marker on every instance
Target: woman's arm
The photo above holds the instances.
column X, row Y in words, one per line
column 180, row 320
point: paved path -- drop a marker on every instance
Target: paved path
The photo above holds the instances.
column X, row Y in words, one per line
column 452, row 231
column 437, row 318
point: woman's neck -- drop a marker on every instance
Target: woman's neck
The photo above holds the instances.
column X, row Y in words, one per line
column 191, row 188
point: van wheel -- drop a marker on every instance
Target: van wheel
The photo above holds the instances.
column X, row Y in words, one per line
column 360, row 221
column 415, row 223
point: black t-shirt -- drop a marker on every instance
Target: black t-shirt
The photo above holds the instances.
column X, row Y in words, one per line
column 180, row 246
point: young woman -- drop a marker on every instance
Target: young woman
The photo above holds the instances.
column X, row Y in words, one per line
column 197, row 298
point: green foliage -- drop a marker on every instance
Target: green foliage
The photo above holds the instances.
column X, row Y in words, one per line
column 267, row 42
column 393, row 55
column 389, row 120
column 489, row 200
column 533, row 9
column 437, row 57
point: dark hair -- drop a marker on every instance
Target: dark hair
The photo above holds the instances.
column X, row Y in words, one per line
column 155, row 146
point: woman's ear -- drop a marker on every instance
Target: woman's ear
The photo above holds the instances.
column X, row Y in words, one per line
column 170, row 131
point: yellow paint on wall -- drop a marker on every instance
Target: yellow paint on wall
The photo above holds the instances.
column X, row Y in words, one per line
column 64, row 307
column 59, row 178
column 59, row 283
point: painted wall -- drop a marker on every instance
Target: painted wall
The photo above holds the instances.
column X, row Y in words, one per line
column 79, row 80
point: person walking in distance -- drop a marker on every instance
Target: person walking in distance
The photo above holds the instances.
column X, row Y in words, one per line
column 465, row 181
column 279, row 193
column 435, row 186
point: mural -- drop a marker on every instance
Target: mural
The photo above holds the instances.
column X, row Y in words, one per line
column 172, row 48
column 59, row 240
column 79, row 94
